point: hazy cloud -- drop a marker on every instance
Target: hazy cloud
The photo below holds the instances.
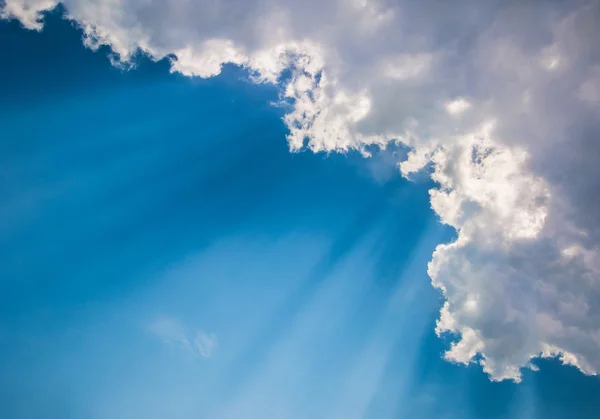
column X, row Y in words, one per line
column 173, row 332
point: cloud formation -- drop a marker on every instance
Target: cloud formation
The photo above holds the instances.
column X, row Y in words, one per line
column 173, row 332
column 498, row 100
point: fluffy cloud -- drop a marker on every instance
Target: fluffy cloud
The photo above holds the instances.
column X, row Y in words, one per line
column 498, row 101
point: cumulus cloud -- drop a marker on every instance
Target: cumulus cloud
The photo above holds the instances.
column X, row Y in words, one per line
column 173, row 332
column 498, row 100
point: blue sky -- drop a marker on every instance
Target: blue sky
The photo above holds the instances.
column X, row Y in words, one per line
column 164, row 255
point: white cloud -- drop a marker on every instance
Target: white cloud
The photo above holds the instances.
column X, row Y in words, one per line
column 517, row 173
column 407, row 66
column 28, row 12
column 457, row 106
column 174, row 333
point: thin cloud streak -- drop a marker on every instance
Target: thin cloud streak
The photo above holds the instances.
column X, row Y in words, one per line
column 174, row 333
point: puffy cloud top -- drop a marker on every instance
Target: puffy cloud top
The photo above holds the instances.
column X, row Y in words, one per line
column 499, row 100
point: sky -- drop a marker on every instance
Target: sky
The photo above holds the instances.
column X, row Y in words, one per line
column 207, row 224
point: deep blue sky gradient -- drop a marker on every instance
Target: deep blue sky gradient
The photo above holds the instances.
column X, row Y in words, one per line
column 130, row 196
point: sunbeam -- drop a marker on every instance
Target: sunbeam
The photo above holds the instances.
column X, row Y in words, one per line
column 237, row 210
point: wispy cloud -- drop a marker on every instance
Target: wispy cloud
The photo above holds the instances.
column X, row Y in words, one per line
column 174, row 333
